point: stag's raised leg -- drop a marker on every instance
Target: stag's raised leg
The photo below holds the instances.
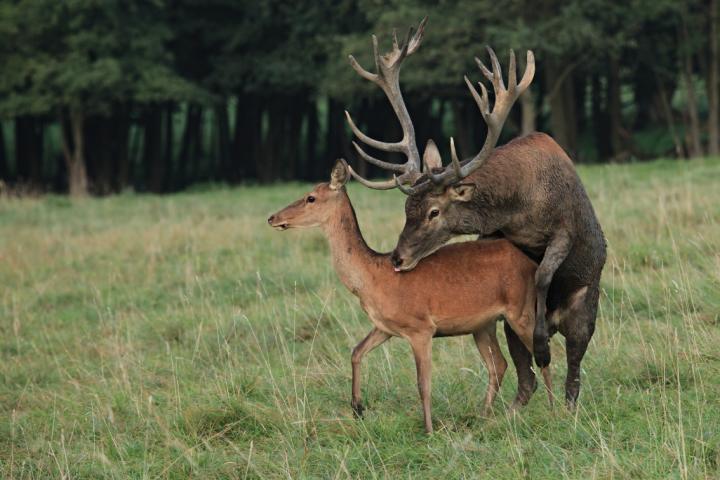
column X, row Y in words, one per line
column 487, row 345
column 373, row 339
column 555, row 255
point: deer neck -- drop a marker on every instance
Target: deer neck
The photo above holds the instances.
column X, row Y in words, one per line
column 355, row 263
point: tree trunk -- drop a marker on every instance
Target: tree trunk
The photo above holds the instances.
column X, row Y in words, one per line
column 135, row 155
column 527, row 105
column 311, row 140
column 466, row 137
column 99, row 145
column 614, row 109
column 436, row 126
column 667, row 113
column 227, row 170
column 29, row 150
column 292, row 136
column 247, row 137
column 695, row 148
column 152, row 150
column 712, row 83
column 645, row 90
column 270, row 166
column 186, row 146
column 121, row 151
column 336, row 144
column 73, row 144
column 562, row 108
column 599, row 119
column 169, row 132
column 579, row 100
column 4, row 169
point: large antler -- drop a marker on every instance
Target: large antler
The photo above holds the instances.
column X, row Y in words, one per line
column 504, row 100
column 388, row 79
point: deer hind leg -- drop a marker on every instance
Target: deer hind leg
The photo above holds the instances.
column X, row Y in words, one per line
column 522, row 358
column 373, row 339
column 578, row 327
column 422, row 350
column 487, row 345
column 524, row 328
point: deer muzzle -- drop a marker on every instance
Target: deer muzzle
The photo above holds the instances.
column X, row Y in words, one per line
column 402, row 263
column 277, row 223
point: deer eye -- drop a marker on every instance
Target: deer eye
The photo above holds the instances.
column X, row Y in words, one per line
column 433, row 213
column 310, row 199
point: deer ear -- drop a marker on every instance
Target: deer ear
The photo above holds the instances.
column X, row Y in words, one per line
column 339, row 174
column 431, row 157
column 462, row 192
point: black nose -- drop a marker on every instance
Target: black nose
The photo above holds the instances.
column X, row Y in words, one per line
column 270, row 219
column 396, row 260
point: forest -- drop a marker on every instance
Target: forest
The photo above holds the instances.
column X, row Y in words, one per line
column 101, row 96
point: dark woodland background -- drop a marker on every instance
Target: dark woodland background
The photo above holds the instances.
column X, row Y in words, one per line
column 100, row 96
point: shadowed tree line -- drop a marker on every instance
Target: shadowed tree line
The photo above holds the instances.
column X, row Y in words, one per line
column 96, row 97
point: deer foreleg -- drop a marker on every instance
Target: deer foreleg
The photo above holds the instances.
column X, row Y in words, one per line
column 373, row 339
column 555, row 255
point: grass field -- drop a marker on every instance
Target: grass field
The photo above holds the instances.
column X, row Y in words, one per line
column 180, row 336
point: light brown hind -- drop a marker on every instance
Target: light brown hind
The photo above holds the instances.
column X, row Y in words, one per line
column 463, row 288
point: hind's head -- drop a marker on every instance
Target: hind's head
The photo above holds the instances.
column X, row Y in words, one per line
column 316, row 207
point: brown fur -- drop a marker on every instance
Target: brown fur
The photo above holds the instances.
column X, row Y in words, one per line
column 463, row 288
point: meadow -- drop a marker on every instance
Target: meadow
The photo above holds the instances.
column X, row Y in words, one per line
column 180, row 337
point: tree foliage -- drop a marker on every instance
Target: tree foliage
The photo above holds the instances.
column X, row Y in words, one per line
column 235, row 90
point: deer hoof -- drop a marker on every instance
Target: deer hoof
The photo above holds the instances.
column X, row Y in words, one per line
column 541, row 347
column 358, row 409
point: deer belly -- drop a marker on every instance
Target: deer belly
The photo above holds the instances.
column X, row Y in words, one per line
column 395, row 325
column 463, row 325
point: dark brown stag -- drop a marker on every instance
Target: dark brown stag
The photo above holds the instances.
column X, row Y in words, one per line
column 528, row 191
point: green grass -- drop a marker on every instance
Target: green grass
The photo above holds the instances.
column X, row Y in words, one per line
column 179, row 336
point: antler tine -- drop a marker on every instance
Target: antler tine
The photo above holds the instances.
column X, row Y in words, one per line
column 382, row 185
column 387, row 77
column 411, row 190
column 481, row 100
column 379, row 163
column 376, row 57
column 401, row 187
column 495, row 76
column 454, row 158
column 512, row 72
column 529, row 72
column 387, row 146
column 406, row 44
column 486, row 73
column 497, row 71
column 361, row 71
column 417, row 38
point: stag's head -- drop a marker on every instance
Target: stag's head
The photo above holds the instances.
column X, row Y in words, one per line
column 431, row 219
column 437, row 194
column 316, row 207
